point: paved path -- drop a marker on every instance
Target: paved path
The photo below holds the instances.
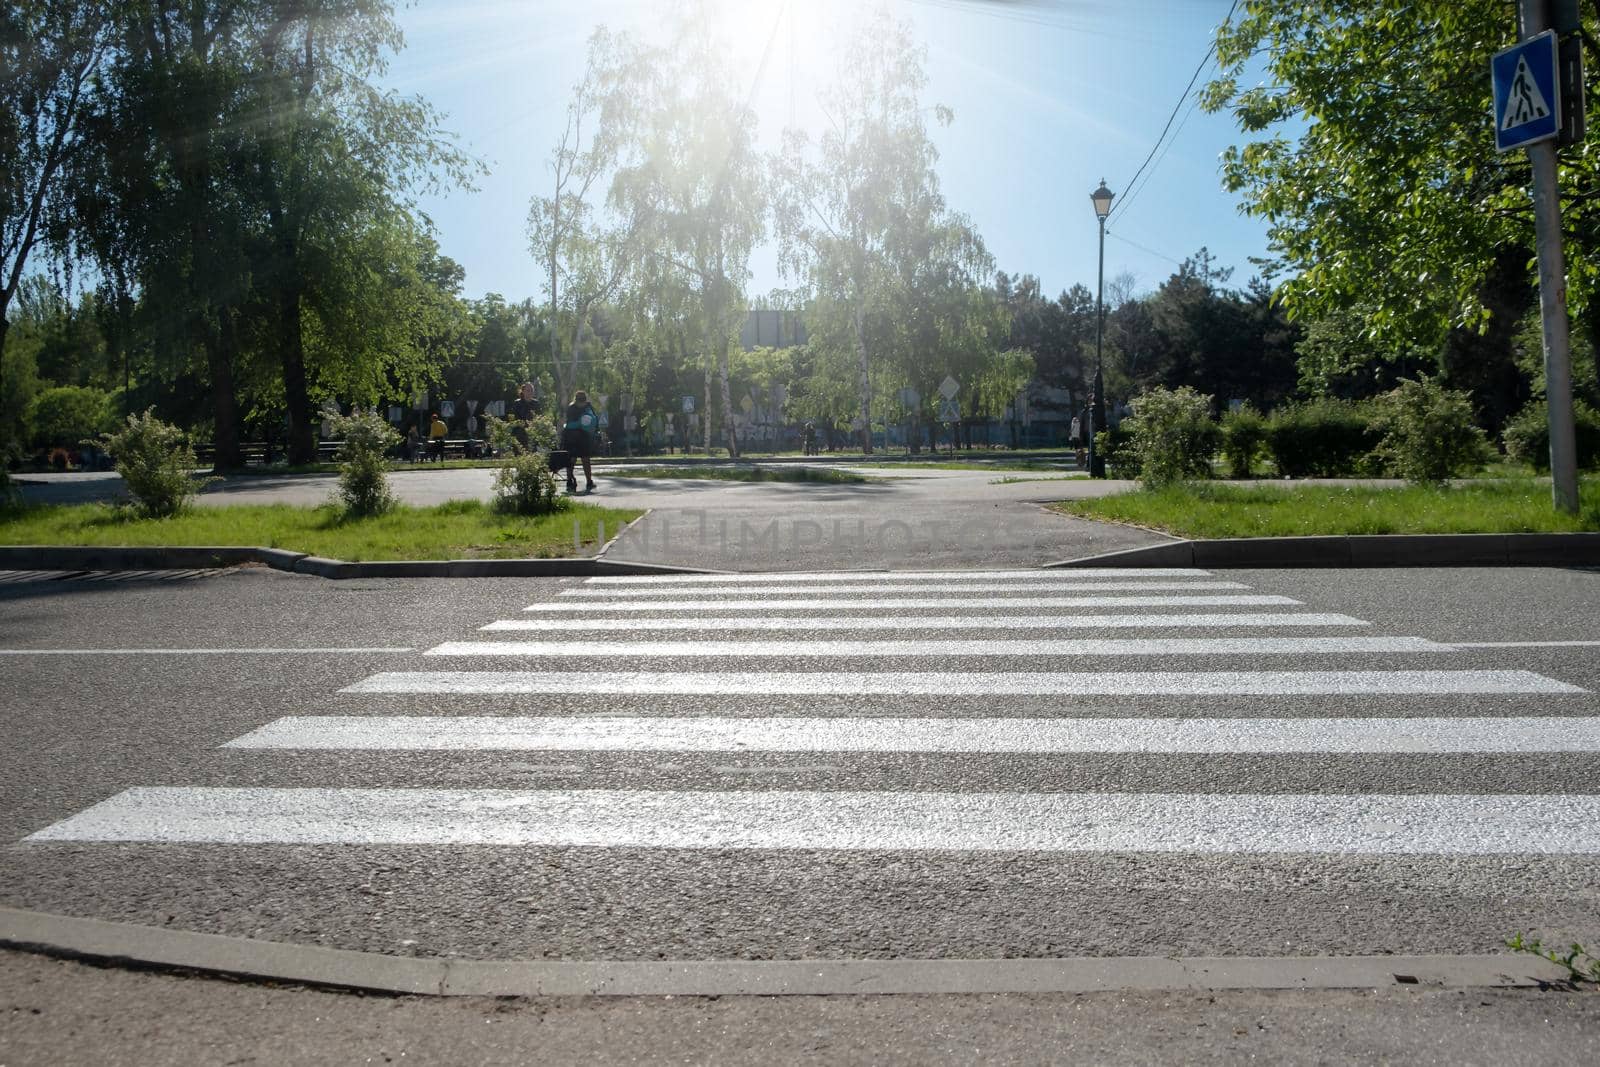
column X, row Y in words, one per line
column 930, row 518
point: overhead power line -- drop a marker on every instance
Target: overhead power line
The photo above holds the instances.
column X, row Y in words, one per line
column 1210, row 51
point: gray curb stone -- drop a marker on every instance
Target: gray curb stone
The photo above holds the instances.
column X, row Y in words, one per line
column 146, row 946
column 76, row 558
column 1376, row 550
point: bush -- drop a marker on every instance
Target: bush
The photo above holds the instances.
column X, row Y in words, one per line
column 1527, row 435
column 1324, row 438
column 525, row 486
column 1174, row 435
column 1115, row 446
column 62, row 417
column 157, row 463
column 1244, row 433
column 1428, row 433
column 363, row 463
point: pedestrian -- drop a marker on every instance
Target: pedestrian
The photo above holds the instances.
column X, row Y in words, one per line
column 437, row 431
column 523, row 409
column 809, row 439
column 578, row 438
column 413, row 444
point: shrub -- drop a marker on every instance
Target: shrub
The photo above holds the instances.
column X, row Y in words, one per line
column 157, row 463
column 63, row 416
column 1527, row 435
column 525, row 486
column 1244, row 433
column 363, row 463
column 1324, row 438
column 1115, row 446
column 1174, row 435
column 1428, row 433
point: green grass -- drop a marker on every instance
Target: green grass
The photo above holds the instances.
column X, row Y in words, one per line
column 1207, row 510
column 460, row 529
column 744, row 474
column 914, row 463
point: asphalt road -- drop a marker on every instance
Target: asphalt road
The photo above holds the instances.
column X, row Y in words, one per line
column 868, row 843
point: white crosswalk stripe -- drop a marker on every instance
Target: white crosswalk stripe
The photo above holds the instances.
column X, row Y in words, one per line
column 1151, row 621
column 833, row 577
column 815, row 649
column 520, row 733
column 948, row 683
column 978, row 822
column 912, row 711
column 882, row 603
column 621, row 595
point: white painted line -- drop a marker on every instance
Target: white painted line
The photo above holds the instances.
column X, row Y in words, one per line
column 898, row 576
column 817, row 604
column 920, row 587
column 611, row 651
column 192, row 651
column 976, row 822
column 965, row 683
column 1526, row 644
column 516, row 733
column 938, row 622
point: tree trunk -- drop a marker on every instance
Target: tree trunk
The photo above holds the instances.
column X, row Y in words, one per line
column 222, row 346
column 865, row 383
column 719, row 341
column 705, row 414
column 302, row 444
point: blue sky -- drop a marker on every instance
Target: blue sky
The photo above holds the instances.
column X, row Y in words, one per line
column 1048, row 99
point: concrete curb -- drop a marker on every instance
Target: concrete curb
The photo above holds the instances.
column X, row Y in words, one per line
column 75, row 558
column 153, row 947
column 1376, row 550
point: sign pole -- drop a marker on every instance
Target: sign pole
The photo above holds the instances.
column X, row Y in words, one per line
column 1553, row 300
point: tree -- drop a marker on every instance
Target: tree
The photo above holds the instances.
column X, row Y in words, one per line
column 1390, row 196
column 851, row 208
column 584, row 258
column 50, row 54
column 690, row 181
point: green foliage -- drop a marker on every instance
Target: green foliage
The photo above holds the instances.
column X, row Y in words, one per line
column 1428, row 433
column 1582, row 965
column 1115, row 446
column 156, row 461
column 1527, row 435
column 64, row 415
column 1410, row 225
column 1174, row 435
column 1323, row 438
column 525, row 486
column 1244, row 434
column 363, row 463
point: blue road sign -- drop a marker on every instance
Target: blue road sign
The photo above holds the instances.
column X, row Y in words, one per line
column 1527, row 97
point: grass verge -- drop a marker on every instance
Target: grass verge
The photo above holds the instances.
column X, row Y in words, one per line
column 460, row 529
column 744, row 474
column 1207, row 510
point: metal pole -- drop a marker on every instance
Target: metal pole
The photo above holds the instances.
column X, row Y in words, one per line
column 1097, row 409
column 1553, row 301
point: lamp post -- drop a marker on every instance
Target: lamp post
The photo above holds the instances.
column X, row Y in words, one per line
column 1101, row 198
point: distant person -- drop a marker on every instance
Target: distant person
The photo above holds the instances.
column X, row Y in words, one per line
column 809, row 439
column 437, row 432
column 524, row 408
column 413, row 444
column 578, row 438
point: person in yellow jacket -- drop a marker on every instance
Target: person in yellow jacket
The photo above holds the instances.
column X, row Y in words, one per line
column 437, row 431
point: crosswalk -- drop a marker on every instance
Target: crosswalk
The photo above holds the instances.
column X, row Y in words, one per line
column 953, row 665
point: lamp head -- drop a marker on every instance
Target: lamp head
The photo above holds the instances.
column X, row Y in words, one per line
column 1102, row 201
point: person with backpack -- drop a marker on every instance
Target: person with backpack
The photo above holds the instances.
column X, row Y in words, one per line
column 578, row 437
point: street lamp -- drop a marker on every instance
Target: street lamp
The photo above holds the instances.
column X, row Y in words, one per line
column 1101, row 198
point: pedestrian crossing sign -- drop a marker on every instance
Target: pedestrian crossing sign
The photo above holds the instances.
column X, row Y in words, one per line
column 1527, row 96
